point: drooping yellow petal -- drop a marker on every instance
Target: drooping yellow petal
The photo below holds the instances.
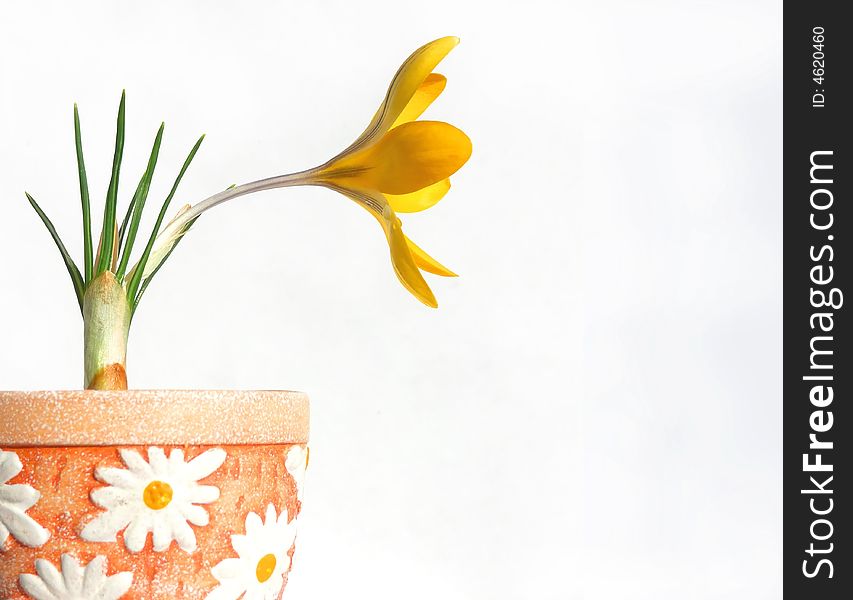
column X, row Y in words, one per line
column 404, row 262
column 428, row 91
column 419, row 200
column 407, row 159
column 401, row 256
column 427, row 262
column 406, row 82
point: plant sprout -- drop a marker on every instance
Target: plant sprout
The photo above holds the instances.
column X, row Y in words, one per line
column 397, row 165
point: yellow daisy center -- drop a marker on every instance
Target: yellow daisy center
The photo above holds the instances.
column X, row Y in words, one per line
column 157, row 495
column 265, row 568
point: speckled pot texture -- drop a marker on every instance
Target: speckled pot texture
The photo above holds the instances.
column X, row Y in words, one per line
column 150, row 494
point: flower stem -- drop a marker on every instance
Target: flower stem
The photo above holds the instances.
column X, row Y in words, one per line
column 292, row 179
column 106, row 321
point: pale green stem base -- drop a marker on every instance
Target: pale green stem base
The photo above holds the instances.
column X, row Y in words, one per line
column 106, row 321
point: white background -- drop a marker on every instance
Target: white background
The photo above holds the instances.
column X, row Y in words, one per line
column 593, row 412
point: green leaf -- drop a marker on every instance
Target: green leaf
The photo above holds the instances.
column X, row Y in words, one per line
column 108, row 229
column 84, row 198
column 124, row 223
column 148, row 279
column 73, row 271
column 138, row 203
column 135, row 281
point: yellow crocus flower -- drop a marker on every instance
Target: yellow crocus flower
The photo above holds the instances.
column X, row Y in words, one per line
column 402, row 165
column 398, row 164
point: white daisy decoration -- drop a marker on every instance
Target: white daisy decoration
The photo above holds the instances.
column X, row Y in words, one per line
column 161, row 496
column 15, row 500
column 258, row 573
column 75, row 582
column 296, row 464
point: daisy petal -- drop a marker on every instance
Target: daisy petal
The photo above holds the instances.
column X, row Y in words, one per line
column 253, row 523
column 95, row 571
column 72, row 573
column 157, row 460
column 22, row 495
column 10, row 465
column 110, row 497
column 116, row 586
column 228, row 591
column 271, row 517
column 50, row 576
column 228, row 568
column 206, row 463
column 182, row 533
column 35, row 587
column 195, row 515
column 117, row 477
column 161, row 535
column 176, row 460
column 137, row 532
column 105, row 526
column 22, row 527
column 203, row 494
column 242, row 545
column 136, row 464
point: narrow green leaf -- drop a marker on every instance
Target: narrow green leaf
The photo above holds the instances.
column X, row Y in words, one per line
column 133, row 286
column 84, row 198
column 139, row 203
column 124, row 223
column 108, row 229
column 148, row 279
column 73, row 271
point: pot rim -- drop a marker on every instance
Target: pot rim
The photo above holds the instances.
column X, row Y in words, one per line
column 145, row 417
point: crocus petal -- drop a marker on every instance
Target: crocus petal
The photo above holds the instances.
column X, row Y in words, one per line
column 401, row 257
column 419, row 200
column 427, row 92
column 405, row 84
column 427, row 262
column 408, row 158
column 404, row 263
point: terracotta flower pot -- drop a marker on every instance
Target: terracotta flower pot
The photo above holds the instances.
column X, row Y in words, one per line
column 149, row 494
